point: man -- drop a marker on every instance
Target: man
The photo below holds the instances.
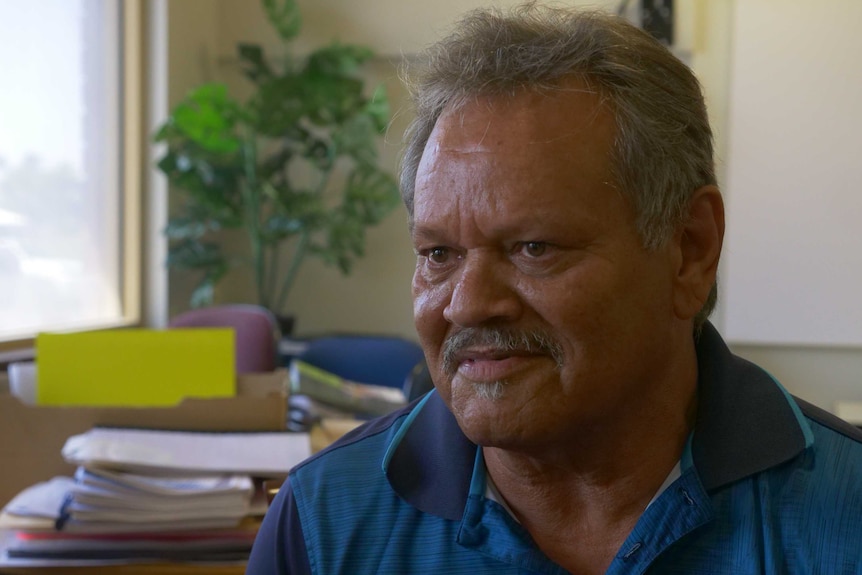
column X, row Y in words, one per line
column 586, row 418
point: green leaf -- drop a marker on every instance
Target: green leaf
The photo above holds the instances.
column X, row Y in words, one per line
column 357, row 138
column 194, row 255
column 281, row 226
column 303, row 206
column 204, row 293
column 371, row 194
column 284, row 16
column 207, row 117
column 208, row 182
column 321, row 153
column 344, row 240
column 378, row 108
column 181, row 228
column 337, row 59
column 330, row 99
column 277, row 106
column 253, row 62
column 164, row 132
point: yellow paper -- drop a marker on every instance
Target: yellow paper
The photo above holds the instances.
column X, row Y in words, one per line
column 134, row 367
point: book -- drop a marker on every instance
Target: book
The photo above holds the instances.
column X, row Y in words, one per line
column 360, row 399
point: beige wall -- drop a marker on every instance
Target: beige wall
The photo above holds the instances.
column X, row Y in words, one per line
column 376, row 297
column 390, row 27
column 191, row 37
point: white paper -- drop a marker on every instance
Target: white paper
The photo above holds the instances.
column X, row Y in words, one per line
column 263, row 454
column 135, row 485
column 43, row 499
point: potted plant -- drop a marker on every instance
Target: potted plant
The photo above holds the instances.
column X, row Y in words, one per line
column 294, row 166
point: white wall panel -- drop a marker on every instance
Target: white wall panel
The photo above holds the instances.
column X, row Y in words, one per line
column 793, row 257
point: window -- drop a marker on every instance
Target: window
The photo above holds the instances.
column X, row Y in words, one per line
column 68, row 200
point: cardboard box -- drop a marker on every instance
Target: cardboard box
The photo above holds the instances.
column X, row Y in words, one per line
column 32, row 437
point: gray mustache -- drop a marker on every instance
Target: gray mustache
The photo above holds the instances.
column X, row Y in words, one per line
column 508, row 340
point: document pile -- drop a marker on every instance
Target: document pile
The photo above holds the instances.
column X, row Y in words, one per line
column 317, row 394
column 143, row 494
column 117, row 501
column 104, row 515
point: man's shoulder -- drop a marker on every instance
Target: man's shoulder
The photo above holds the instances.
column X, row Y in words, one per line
column 836, row 452
column 828, row 471
column 828, row 424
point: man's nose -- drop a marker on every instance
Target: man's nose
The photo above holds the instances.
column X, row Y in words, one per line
column 482, row 293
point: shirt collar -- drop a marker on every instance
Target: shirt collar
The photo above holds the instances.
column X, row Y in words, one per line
column 431, row 466
column 746, row 423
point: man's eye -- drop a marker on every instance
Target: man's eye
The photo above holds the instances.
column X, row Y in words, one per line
column 438, row 255
column 534, row 249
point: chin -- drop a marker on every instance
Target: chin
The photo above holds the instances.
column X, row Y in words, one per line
column 492, row 391
column 487, row 417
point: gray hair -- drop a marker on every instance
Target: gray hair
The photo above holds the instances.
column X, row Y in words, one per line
column 663, row 147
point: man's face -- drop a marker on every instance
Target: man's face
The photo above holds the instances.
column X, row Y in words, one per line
column 539, row 310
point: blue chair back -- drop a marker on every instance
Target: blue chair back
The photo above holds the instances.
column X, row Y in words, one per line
column 375, row 359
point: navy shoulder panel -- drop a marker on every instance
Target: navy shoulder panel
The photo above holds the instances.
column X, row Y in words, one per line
column 829, row 420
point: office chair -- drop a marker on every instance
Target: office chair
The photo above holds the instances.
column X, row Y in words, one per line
column 375, row 359
column 419, row 382
column 256, row 331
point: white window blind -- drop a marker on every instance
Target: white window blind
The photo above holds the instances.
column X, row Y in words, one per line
column 62, row 199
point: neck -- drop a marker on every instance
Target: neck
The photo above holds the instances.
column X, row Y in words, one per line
column 615, row 480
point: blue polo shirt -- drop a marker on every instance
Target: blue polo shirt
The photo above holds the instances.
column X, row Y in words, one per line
column 769, row 484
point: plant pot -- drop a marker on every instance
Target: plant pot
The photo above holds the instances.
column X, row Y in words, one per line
column 286, row 324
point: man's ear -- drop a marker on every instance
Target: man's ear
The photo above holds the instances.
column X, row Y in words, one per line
column 699, row 241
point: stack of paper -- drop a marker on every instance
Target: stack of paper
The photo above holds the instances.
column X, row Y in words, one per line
column 143, row 494
column 116, row 499
column 123, row 516
column 316, row 393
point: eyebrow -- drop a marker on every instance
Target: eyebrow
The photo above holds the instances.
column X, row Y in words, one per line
column 424, row 232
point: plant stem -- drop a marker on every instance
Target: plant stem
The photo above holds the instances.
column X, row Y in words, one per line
column 296, row 260
column 252, row 193
column 299, row 252
column 271, row 281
